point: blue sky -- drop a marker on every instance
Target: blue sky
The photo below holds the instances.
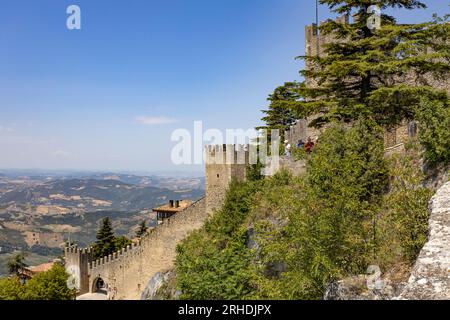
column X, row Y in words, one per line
column 108, row 96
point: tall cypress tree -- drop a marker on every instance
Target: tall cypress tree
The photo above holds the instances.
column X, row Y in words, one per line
column 105, row 243
column 378, row 73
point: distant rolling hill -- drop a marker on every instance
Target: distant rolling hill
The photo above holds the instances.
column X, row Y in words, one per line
column 93, row 194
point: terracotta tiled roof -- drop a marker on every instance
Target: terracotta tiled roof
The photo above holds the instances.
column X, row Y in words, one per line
column 42, row 267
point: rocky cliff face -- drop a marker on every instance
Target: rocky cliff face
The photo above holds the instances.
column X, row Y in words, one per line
column 430, row 277
column 161, row 286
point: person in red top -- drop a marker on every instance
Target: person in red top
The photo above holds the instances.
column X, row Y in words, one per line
column 309, row 145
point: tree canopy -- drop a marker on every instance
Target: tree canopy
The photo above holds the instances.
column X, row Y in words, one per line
column 107, row 243
column 49, row 285
column 142, row 230
column 16, row 263
column 105, row 239
column 380, row 73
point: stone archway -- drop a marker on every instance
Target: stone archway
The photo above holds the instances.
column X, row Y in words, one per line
column 99, row 286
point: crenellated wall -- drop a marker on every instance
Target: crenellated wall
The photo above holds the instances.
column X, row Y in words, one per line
column 77, row 261
column 127, row 272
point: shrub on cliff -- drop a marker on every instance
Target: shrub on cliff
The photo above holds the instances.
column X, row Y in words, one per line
column 286, row 237
column 330, row 215
column 403, row 225
column 213, row 262
column 434, row 133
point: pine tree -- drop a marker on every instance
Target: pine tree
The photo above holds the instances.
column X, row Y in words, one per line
column 377, row 73
column 279, row 115
column 105, row 243
column 16, row 263
column 142, row 229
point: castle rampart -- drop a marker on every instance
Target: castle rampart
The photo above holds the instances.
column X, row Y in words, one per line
column 126, row 272
column 77, row 261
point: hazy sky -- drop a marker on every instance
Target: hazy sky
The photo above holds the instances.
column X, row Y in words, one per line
column 108, row 96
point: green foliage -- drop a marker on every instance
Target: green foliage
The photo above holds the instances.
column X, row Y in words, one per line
column 406, row 212
column 11, row 289
column 49, row 285
column 105, row 244
column 212, row 263
column 121, row 242
column 364, row 72
column 307, row 231
column 299, row 153
column 142, row 229
column 238, row 203
column 434, row 119
column 279, row 115
column 206, row 271
column 288, row 237
column 331, row 227
column 254, row 172
column 16, row 263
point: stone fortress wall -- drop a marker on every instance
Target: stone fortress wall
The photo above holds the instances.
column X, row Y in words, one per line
column 125, row 273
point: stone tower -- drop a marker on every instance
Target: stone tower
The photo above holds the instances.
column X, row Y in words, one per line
column 223, row 164
column 77, row 262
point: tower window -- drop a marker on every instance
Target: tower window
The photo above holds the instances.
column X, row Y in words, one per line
column 218, row 175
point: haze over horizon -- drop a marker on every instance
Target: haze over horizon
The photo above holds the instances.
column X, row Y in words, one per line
column 107, row 97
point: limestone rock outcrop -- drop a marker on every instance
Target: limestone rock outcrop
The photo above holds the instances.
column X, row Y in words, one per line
column 159, row 282
column 363, row 287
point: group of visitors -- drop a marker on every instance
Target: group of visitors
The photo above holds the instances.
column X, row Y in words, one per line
column 308, row 146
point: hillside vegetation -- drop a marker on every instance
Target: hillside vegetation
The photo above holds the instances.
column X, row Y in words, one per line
column 287, row 237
